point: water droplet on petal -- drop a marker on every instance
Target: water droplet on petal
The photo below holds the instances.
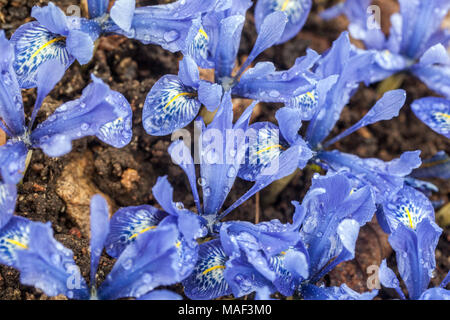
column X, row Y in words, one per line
column 127, row 264
column 171, row 36
column 179, row 205
column 231, row 172
column 201, row 182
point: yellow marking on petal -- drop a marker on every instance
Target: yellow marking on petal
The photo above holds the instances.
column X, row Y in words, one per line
column 409, row 218
column 17, row 243
column 284, row 6
column 283, row 252
column 443, row 115
column 270, row 147
column 142, row 231
column 178, row 244
column 212, row 269
column 315, row 168
column 387, row 52
column 311, row 95
column 46, row 45
column 177, row 96
column 201, row 31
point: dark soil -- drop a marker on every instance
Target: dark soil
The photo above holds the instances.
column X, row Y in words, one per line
column 132, row 68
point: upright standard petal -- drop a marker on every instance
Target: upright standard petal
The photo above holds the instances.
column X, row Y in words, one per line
column 270, row 32
column 100, row 111
column 222, row 151
column 99, row 232
column 416, row 36
column 97, row 8
column 52, row 18
column 181, row 155
column 297, row 12
column 170, row 105
column 33, row 45
column 435, row 113
column 80, row 45
column 228, row 44
column 385, row 109
column 122, row 13
column 207, row 281
column 11, row 105
column 351, row 66
column 49, row 74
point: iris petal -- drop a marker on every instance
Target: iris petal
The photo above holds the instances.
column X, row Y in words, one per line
column 169, row 106
column 14, row 236
column 128, row 223
column 207, row 280
column 296, row 11
column 435, row 113
column 33, row 45
column 100, row 112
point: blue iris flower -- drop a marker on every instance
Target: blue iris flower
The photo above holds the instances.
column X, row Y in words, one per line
column 340, row 71
column 68, row 38
column 248, row 258
column 272, row 256
column 219, row 167
column 334, row 209
column 53, row 36
column 175, row 100
column 419, row 48
column 414, row 242
column 151, row 261
column 100, row 111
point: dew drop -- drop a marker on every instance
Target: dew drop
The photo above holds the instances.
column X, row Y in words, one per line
column 127, row 264
column 171, row 36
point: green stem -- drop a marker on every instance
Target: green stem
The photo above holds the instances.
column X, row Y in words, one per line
column 271, row 193
column 27, row 163
column 392, row 83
